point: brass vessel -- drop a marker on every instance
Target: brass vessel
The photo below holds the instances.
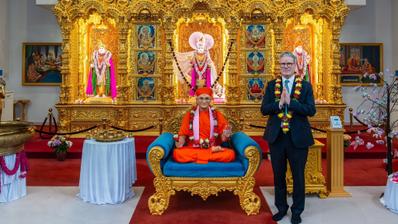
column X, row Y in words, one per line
column 13, row 135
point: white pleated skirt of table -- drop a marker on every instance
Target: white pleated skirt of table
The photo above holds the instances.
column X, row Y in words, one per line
column 12, row 187
column 108, row 171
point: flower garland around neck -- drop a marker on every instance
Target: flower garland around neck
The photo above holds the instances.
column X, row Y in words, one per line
column 203, row 143
column 201, row 66
column 286, row 115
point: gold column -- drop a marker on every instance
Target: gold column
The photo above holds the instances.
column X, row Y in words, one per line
column 334, row 95
column 278, row 31
column 66, row 88
column 233, row 96
column 167, row 92
column 335, row 163
column 122, row 78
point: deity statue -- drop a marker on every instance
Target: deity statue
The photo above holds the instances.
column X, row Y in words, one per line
column 302, row 63
column 145, row 37
column 101, row 79
column 197, row 65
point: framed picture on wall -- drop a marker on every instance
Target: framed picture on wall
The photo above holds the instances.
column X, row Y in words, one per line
column 41, row 64
column 361, row 63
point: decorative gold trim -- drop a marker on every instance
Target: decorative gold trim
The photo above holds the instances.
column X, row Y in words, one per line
column 328, row 15
column 204, row 187
column 314, row 179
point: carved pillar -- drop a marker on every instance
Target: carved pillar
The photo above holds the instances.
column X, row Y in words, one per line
column 278, row 32
column 66, row 88
column 122, row 79
column 167, row 92
column 232, row 88
column 335, row 163
column 334, row 95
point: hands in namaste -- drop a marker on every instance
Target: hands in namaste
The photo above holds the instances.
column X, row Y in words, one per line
column 285, row 98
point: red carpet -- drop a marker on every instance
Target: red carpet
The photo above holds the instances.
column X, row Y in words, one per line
column 50, row 172
column 37, row 147
column 184, row 208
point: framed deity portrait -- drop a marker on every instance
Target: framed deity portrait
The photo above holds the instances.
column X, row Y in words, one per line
column 255, row 89
column 361, row 63
column 41, row 64
column 146, row 88
column 255, row 62
column 146, row 62
column 255, row 36
column 146, row 36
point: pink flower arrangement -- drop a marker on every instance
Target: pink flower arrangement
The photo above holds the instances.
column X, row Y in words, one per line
column 59, row 143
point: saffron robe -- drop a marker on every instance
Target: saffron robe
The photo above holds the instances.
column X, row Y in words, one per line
column 189, row 153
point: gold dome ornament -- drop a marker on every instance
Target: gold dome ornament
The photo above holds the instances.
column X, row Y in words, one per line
column 107, row 134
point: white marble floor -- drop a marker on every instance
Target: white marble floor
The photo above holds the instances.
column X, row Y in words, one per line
column 59, row 205
column 363, row 207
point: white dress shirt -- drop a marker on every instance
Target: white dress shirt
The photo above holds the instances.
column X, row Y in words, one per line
column 291, row 81
column 289, row 87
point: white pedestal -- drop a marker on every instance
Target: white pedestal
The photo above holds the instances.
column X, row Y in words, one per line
column 8, row 107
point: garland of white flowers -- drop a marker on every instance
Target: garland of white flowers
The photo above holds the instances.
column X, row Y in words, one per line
column 203, row 143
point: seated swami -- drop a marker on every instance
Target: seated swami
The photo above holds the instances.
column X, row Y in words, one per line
column 202, row 131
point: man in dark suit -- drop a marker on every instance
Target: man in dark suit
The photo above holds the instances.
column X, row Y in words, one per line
column 288, row 101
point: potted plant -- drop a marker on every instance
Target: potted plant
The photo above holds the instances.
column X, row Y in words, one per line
column 60, row 145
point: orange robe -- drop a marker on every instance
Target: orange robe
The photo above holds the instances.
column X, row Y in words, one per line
column 189, row 153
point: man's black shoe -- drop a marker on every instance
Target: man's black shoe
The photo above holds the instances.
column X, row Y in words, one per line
column 296, row 219
column 278, row 216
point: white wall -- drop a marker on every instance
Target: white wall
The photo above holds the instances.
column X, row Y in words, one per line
column 3, row 35
column 369, row 24
column 30, row 23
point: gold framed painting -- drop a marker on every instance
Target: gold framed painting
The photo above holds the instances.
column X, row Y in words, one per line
column 41, row 64
column 361, row 64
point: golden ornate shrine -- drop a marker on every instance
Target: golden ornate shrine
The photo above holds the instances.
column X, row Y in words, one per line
column 137, row 34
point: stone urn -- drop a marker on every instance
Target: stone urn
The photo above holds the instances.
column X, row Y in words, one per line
column 13, row 135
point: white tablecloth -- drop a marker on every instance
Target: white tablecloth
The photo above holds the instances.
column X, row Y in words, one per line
column 108, row 171
column 12, row 187
column 390, row 198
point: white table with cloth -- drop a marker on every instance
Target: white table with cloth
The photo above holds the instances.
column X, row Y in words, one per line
column 12, row 177
column 390, row 198
column 108, row 171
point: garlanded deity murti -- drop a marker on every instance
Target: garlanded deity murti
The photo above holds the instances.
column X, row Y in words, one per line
column 198, row 64
column 101, row 78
